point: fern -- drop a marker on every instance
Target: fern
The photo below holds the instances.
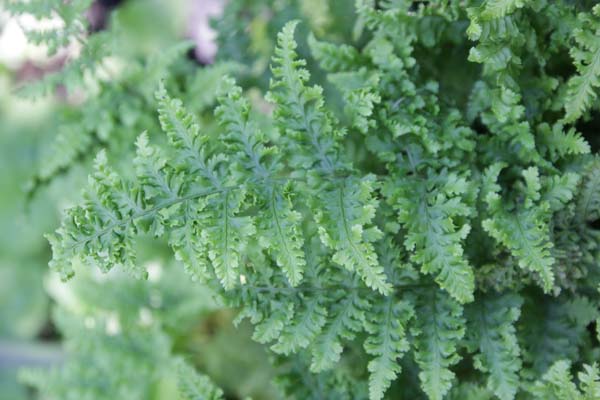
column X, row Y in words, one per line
column 553, row 332
column 557, row 383
column 357, row 213
column 491, row 324
column 281, row 237
column 433, row 237
column 438, row 334
column 586, row 56
column 193, row 386
column 387, row 344
column 524, row 233
column 344, row 224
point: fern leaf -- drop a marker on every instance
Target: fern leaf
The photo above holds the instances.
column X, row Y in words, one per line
column 98, row 231
column 184, row 134
column 553, row 332
column 525, row 231
column 491, row 331
column 297, row 382
column 226, row 234
column 270, row 328
column 193, row 386
column 439, row 328
column 557, row 383
column 581, row 89
column 333, row 57
column 346, row 318
column 387, row 343
column 432, row 233
column 500, row 8
column 281, row 234
column 559, row 143
column 300, row 108
column 280, row 227
column 306, row 325
column 588, row 201
column 559, row 190
column 589, row 380
column 349, row 207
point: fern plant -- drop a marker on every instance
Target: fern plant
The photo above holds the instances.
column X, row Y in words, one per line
column 416, row 238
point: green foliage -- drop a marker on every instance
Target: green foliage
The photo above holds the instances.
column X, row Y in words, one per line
column 387, row 344
column 193, row 386
column 557, row 383
column 437, row 337
column 392, row 224
column 492, row 335
column 586, row 57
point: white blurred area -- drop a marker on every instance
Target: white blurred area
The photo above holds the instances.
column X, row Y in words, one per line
column 16, row 51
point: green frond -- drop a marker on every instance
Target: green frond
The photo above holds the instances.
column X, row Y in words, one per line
column 588, row 201
column 552, row 332
column 433, row 238
column 345, row 319
column 300, row 109
column 524, row 231
column 438, row 330
column 334, row 57
column 589, row 382
column 360, row 91
column 557, row 383
column 344, row 226
column 299, row 383
column 492, row 336
column 581, row 88
column 280, row 229
column 226, row 234
column 193, row 386
column 349, row 205
column 387, row 343
column 306, row 325
column 500, row 8
column 559, row 190
column 559, row 143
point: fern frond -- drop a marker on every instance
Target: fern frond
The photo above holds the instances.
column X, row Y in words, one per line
column 280, row 229
column 439, row 328
column 306, row 325
column 300, row 108
column 553, row 332
column 559, row 190
column 349, row 203
column 500, row 8
column 492, row 334
column 559, row 143
column 333, row 57
column 349, row 208
column 524, row 231
column 557, row 383
column 588, row 201
column 346, row 318
column 387, row 343
column 193, row 386
column 433, row 236
column 581, row 89
column 297, row 382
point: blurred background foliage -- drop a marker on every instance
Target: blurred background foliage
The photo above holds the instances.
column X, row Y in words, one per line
column 59, row 105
